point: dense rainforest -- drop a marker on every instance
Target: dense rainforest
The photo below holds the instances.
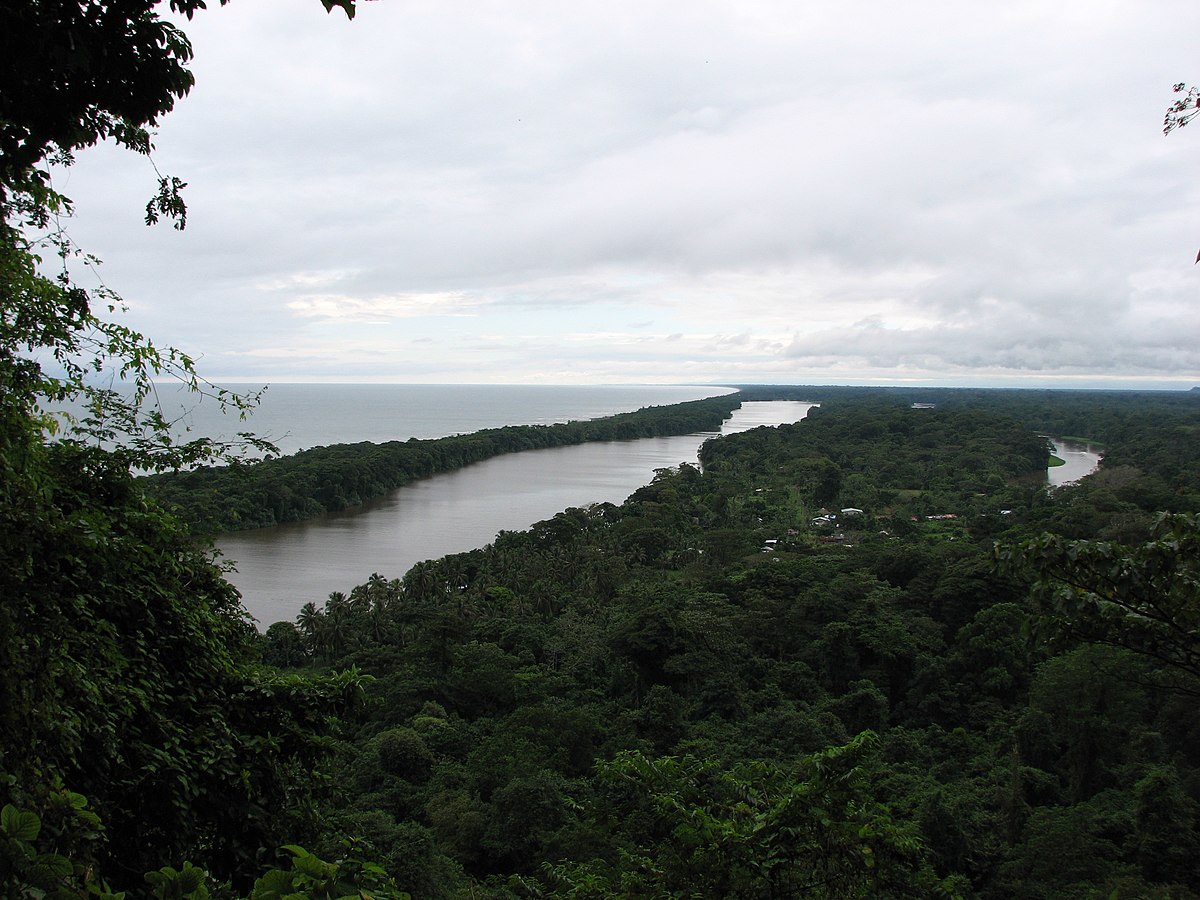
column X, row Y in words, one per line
column 856, row 656
column 868, row 654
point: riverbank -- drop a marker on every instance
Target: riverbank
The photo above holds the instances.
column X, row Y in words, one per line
column 1098, row 446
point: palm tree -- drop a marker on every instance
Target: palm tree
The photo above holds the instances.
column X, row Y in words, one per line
column 421, row 582
column 337, row 615
column 377, row 589
column 309, row 620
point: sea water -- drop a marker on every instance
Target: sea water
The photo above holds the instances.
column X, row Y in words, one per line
column 300, row 416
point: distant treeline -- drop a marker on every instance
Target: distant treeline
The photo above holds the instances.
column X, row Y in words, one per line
column 1106, row 416
column 328, row 479
column 865, row 453
column 1153, row 433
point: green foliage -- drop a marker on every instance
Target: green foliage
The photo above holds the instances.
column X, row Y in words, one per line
column 718, row 680
column 693, row 829
column 311, row 878
column 127, row 665
column 188, row 883
column 73, row 74
column 31, row 864
column 1144, row 598
column 127, row 661
column 28, row 870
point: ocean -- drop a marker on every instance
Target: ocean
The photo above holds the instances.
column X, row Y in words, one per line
column 299, row 416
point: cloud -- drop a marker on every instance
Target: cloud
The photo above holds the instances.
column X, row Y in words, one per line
column 700, row 191
column 999, row 342
column 305, row 281
column 382, row 309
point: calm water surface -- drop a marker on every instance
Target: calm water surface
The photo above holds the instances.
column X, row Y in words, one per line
column 280, row 569
column 1081, row 460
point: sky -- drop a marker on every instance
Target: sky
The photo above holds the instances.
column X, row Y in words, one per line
column 744, row 191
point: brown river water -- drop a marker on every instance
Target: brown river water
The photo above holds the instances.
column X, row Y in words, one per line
column 280, row 569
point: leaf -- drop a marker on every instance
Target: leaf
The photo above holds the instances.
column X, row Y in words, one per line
column 51, row 865
column 313, row 867
column 347, row 5
column 20, row 825
column 191, row 878
column 275, row 883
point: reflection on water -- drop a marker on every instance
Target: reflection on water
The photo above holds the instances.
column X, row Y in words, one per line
column 1081, row 460
column 280, row 569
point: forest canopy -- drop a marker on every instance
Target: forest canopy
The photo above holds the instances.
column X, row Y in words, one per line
column 705, row 689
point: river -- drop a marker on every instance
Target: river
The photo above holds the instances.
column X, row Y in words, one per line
column 280, row 569
column 1080, row 459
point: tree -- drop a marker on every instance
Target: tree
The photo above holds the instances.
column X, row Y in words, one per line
column 284, row 646
column 691, row 829
column 73, row 73
column 1144, row 598
column 310, row 621
column 127, row 665
column 127, row 673
column 1182, row 111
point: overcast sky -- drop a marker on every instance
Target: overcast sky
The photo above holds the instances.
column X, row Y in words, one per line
column 741, row 191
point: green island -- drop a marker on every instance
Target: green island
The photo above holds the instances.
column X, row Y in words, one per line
column 1055, row 461
column 330, row 479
